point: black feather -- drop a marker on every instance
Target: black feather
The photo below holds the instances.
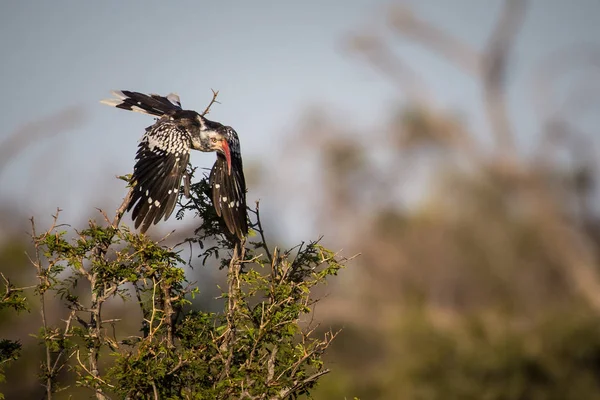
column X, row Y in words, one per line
column 162, row 159
column 229, row 194
column 153, row 104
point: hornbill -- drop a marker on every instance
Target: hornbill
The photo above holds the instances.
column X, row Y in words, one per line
column 163, row 155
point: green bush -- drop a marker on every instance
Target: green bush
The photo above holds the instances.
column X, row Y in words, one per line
column 256, row 348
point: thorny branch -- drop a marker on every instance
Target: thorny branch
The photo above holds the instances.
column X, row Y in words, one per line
column 99, row 295
column 212, row 101
column 259, row 228
column 43, row 279
column 233, row 296
column 121, row 210
column 301, row 385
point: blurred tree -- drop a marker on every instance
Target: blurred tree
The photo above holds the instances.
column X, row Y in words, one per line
column 488, row 287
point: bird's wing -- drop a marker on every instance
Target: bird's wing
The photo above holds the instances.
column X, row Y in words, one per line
column 153, row 104
column 162, row 158
column 229, row 194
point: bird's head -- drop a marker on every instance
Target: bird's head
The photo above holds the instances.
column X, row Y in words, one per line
column 213, row 136
column 224, row 140
column 217, row 141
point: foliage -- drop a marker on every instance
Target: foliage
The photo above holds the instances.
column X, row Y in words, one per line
column 261, row 346
column 555, row 357
column 11, row 298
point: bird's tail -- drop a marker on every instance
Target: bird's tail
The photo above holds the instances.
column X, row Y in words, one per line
column 152, row 104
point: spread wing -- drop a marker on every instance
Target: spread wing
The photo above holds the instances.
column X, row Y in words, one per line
column 153, row 104
column 229, row 194
column 162, row 158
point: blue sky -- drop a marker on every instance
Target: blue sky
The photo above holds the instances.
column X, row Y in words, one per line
column 270, row 60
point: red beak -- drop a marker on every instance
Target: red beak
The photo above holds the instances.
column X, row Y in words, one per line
column 227, row 153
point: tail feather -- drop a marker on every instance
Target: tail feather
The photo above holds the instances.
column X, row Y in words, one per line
column 152, row 104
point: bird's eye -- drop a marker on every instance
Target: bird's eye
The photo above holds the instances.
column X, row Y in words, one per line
column 214, row 140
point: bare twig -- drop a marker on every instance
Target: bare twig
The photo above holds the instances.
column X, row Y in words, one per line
column 494, row 64
column 82, row 365
column 379, row 54
column 212, row 101
column 404, row 20
column 121, row 210
column 154, row 390
column 299, row 385
column 56, row 368
column 262, row 233
column 490, row 66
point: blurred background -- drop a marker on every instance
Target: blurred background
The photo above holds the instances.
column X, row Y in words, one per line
column 453, row 144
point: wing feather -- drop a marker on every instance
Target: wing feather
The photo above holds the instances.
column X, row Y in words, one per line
column 162, row 158
column 229, row 195
column 147, row 104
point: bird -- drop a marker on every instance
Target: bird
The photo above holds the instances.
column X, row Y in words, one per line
column 162, row 158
